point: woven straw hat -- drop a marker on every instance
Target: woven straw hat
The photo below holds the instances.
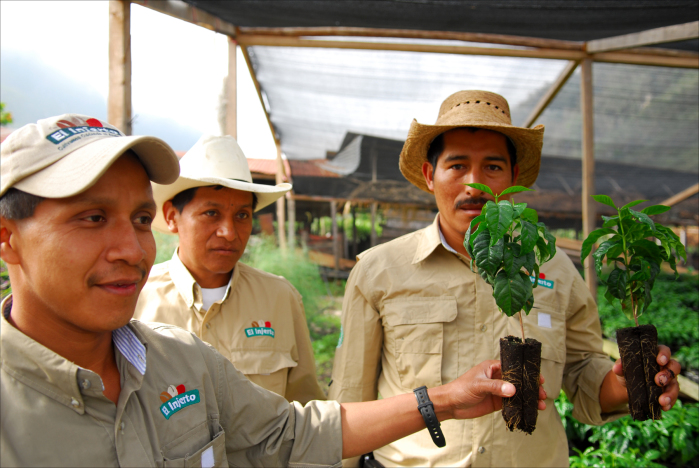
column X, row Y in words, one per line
column 476, row 109
column 214, row 160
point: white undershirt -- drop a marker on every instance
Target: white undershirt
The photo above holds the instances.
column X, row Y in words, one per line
column 209, row 296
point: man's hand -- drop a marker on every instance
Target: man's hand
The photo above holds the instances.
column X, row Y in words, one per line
column 476, row 393
column 666, row 378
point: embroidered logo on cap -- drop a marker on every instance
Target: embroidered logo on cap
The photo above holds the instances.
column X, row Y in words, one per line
column 543, row 281
column 176, row 398
column 261, row 328
column 75, row 129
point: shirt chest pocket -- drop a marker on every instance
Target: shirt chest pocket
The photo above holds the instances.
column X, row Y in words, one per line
column 548, row 326
column 415, row 332
column 210, row 454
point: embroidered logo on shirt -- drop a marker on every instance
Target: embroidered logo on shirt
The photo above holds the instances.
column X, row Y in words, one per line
column 176, row 398
column 261, row 328
column 543, row 281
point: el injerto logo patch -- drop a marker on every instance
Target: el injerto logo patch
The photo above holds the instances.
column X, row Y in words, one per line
column 543, row 281
column 177, row 398
column 263, row 328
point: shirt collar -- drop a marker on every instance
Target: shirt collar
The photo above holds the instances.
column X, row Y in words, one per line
column 431, row 239
column 187, row 286
column 46, row 371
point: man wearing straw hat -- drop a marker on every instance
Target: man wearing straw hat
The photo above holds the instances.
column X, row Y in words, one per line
column 82, row 384
column 415, row 314
column 255, row 319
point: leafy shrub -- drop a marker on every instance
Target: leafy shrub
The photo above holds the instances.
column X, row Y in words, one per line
column 671, row 441
column 675, row 308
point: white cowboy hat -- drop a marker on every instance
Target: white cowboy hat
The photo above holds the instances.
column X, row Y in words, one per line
column 476, row 109
column 214, row 160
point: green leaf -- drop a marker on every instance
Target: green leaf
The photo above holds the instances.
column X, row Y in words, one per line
column 519, row 208
column 530, row 215
column 655, row 209
column 616, row 283
column 552, row 244
column 499, row 218
column 599, row 254
column 528, row 237
column 482, row 188
column 511, row 293
column 604, row 199
column 642, row 217
column 592, row 238
column 645, row 248
column 634, row 203
column 643, row 273
column 542, row 250
column 515, row 189
column 468, row 244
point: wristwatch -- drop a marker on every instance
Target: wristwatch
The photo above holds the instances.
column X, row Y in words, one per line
column 426, row 408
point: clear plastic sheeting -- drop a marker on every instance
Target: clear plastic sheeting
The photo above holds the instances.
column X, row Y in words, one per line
column 645, row 116
column 316, row 96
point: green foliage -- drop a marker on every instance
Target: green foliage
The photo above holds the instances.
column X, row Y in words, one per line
column 5, row 117
column 676, row 306
column 323, row 226
column 165, row 246
column 507, row 244
column 635, row 260
column 5, row 287
column 671, row 441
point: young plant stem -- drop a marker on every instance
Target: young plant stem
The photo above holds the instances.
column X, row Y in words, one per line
column 626, row 266
column 521, row 324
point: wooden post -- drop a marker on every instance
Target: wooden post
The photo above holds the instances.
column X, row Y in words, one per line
column 336, row 244
column 588, row 167
column 119, row 100
column 280, row 201
column 291, row 212
column 232, row 90
column 374, row 206
column 355, row 241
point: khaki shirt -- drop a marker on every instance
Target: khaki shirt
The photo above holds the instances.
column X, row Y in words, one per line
column 415, row 314
column 55, row 414
column 259, row 325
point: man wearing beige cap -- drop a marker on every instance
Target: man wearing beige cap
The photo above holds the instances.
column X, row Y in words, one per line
column 83, row 385
column 255, row 319
column 415, row 314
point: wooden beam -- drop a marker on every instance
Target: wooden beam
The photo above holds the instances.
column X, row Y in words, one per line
column 551, row 93
column 258, row 88
column 291, row 225
column 360, row 201
column 119, row 100
column 284, row 41
column 280, row 201
column 185, row 12
column 588, row 167
column 634, row 58
column 416, row 34
column 336, row 234
column 679, row 197
column 232, row 90
column 674, row 33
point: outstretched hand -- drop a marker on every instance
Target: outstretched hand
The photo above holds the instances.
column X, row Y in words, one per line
column 666, row 378
column 480, row 390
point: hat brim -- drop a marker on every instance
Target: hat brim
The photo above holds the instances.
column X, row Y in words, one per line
column 266, row 194
column 527, row 141
column 82, row 168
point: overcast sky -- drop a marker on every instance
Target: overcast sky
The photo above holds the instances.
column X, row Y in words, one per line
column 177, row 68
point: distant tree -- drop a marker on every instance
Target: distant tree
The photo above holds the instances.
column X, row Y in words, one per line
column 5, row 117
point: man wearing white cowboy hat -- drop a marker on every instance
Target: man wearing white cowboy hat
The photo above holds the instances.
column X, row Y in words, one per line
column 82, row 384
column 415, row 314
column 255, row 319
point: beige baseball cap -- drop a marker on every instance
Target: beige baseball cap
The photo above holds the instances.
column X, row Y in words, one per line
column 65, row 155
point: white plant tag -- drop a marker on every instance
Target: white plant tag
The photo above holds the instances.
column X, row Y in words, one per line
column 207, row 458
column 544, row 320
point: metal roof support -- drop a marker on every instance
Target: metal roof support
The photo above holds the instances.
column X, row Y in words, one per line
column 551, row 93
column 588, row 167
column 232, row 90
column 119, row 100
column 674, row 33
column 185, row 12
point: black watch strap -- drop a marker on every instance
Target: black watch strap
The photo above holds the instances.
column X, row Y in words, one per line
column 426, row 408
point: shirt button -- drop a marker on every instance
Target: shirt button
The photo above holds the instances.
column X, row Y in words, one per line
column 122, row 426
column 74, row 403
column 85, row 384
column 481, row 449
column 208, row 325
column 484, row 328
